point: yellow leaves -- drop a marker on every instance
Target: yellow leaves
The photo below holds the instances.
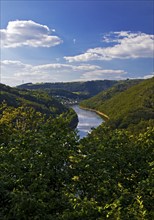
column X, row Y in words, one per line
column 73, row 159
column 12, row 150
column 140, row 208
column 120, row 185
column 75, row 178
column 112, row 207
column 1, row 148
column 100, row 209
column 139, row 201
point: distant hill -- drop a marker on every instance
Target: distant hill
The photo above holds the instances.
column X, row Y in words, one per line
column 81, row 90
column 126, row 104
column 103, row 96
column 39, row 100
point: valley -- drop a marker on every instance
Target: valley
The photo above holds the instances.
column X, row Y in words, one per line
column 60, row 160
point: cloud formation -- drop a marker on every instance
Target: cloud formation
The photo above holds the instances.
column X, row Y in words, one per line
column 54, row 72
column 149, row 76
column 64, row 67
column 127, row 45
column 28, row 33
column 104, row 74
column 17, row 68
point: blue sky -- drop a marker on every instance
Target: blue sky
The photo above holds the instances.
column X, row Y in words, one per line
column 61, row 41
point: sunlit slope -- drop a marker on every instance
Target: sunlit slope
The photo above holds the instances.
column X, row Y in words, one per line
column 41, row 101
column 103, row 96
column 125, row 105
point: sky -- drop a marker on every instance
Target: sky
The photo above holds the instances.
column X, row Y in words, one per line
column 62, row 41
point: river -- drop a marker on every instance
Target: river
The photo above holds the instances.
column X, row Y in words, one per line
column 87, row 120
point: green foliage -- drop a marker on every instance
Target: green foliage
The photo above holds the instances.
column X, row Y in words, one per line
column 103, row 96
column 65, row 94
column 34, row 166
column 81, row 90
column 47, row 173
column 41, row 101
column 126, row 104
column 113, row 176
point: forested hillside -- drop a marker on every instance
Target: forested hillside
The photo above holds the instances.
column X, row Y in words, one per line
column 81, row 89
column 46, row 172
column 126, row 104
column 38, row 100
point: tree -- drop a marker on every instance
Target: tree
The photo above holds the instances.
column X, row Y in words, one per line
column 113, row 176
column 47, row 173
column 34, row 166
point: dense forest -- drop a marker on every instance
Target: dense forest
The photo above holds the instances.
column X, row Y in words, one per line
column 74, row 92
column 126, row 104
column 40, row 100
column 81, row 90
column 48, row 173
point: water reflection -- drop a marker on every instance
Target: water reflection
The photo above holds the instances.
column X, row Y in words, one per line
column 87, row 120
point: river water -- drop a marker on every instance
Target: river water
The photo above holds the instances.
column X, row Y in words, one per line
column 87, row 120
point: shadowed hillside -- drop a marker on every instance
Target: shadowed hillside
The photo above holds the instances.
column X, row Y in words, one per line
column 82, row 90
column 39, row 100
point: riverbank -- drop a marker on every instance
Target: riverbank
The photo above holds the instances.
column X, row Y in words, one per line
column 104, row 116
column 87, row 120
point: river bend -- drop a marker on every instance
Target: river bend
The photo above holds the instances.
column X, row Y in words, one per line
column 87, row 120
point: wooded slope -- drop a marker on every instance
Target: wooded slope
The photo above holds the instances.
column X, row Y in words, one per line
column 38, row 100
column 125, row 104
column 82, row 89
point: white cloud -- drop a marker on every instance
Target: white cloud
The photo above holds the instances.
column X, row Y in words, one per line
column 127, row 46
column 82, row 57
column 64, row 67
column 14, row 72
column 28, row 33
column 104, row 74
column 87, row 67
column 149, row 76
column 14, row 66
column 18, row 65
